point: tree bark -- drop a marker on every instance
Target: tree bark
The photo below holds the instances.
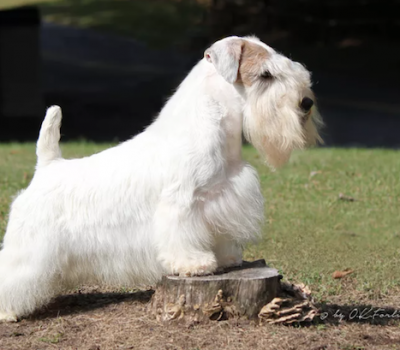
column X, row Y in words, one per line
column 238, row 292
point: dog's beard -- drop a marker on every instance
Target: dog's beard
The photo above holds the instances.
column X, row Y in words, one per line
column 311, row 128
column 275, row 129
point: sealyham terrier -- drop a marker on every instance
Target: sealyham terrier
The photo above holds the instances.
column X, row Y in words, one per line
column 175, row 199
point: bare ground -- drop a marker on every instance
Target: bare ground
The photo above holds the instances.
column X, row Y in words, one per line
column 100, row 319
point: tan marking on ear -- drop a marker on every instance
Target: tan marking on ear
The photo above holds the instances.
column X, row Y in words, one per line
column 249, row 67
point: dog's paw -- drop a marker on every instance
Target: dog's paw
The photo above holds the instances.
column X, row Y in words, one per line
column 202, row 266
column 202, row 270
column 8, row 317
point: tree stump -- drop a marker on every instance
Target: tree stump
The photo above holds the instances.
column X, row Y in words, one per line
column 238, row 292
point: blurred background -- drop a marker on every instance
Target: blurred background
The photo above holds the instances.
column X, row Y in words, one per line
column 111, row 64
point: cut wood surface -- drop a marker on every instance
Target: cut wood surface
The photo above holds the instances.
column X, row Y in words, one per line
column 238, row 292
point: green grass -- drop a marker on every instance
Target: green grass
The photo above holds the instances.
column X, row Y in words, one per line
column 309, row 232
column 7, row 4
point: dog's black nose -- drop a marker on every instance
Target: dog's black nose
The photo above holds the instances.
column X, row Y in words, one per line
column 306, row 104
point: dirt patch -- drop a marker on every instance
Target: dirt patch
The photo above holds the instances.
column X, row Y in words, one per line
column 100, row 319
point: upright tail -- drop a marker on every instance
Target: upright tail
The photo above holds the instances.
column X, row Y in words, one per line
column 47, row 147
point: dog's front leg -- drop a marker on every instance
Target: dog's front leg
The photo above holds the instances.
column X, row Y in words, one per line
column 228, row 252
column 183, row 241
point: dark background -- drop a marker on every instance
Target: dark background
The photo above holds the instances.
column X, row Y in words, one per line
column 111, row 64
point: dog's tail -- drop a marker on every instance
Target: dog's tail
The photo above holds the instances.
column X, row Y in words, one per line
column 47, row 147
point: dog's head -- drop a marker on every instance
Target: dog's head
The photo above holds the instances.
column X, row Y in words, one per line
column 280, row 112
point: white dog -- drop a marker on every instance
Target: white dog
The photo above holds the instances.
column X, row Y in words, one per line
column 175, row 199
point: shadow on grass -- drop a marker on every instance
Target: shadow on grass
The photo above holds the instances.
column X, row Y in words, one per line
column 330, row 314
column 158, row 23
column 72, row 304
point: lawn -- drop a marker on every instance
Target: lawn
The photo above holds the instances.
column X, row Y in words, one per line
column 7, row 4
column 311, row 231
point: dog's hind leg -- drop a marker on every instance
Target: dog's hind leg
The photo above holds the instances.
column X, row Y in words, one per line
column 27, row 281
column 183, row 241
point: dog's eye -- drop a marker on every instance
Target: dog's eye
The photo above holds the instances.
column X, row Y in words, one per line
column 306, row 104
column 266, row 75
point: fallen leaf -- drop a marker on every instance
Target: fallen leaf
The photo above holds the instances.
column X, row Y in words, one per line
column 345, row 198
column 341, row 274
column 315, row 172
column 298, row 291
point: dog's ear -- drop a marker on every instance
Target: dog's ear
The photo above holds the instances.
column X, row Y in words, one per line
column 225, row 56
